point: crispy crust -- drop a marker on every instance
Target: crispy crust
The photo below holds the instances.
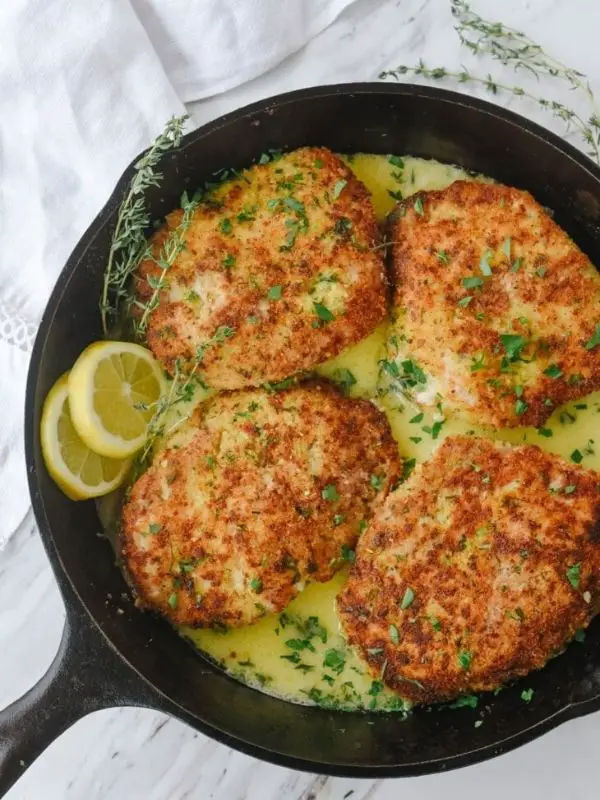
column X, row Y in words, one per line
column 484, row 535
column 225, row 275
column 542, row 288
column 234, row 517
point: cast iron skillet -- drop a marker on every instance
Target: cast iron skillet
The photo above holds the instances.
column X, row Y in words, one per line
column 108, row 658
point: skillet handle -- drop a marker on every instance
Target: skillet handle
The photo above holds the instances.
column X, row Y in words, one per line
column 86, row 675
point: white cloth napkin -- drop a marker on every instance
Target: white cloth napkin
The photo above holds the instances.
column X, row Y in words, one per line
column 84, row 88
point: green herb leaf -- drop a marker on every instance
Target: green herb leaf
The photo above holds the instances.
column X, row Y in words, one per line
column 484, row 263
column 553, row 371
column 339, row 188
column 323, row 312
column 344, row 377
column 377, row 481
column 408, row 598
column 464, row 659
column 506, row 247
column 396, row 161
column 335, row 660
column 466, row 700
column 394, row 634
column 547, row 432
column 417, row 418
column 418, row 207
column 574, row 575
column 154, row 528
column 526, row 695
column 225, row 226
column 172, row 601
column 464, row 301
column 513, row 345
column 275, row 292
column 472, row 282
column 594, row 339
column 256, row 585
column 348, row 554
column 443, row 257
column 338, row 519
column 228, row 260
column 576, row 456
column 330, row 493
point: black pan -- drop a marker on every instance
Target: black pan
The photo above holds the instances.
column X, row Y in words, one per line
column 112, row 654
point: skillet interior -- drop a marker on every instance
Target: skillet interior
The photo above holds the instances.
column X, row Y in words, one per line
column 362, row 117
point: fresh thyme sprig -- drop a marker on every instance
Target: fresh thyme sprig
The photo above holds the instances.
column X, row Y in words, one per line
column 172, row 247
column 181, row 390
column 514, row 48
column 511, row 47
column 129, row 245
column 558, row 110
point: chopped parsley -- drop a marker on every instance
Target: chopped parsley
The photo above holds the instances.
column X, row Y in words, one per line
column 377, row 481
column 541, row 271
column 506, row 245
column 394, row 635
column 319, row 163
column 464, row 301
column 338, row 188
column 516, row 265
column 443, row 257
column 408, row 467
column 472, row 282
column 348, row 554
column 577, row 456
column 335, row 660
column 172, row 601
column 154, row 528
column 344, row 377
column 465, row 658
column 275, row 292
column 228, row 260
column 513, row 345
column 547, row 432
column 396, row 161
column 338, row 519
column 330, row 493
column 323, row 313
column 484, row 263
column 417, row 418
column 408, row 598
column 256, row 585
column 395, row 195
column 225, row 226
column 553, row 371
column 435, row 623
column 574, row 575
column 418, row 207
column 466, row 700
column 594, row 339
column 526, row 695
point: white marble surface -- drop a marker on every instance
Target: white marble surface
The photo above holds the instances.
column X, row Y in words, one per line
column 127, row 754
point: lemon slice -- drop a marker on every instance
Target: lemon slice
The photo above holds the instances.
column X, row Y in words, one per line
column 78, row 471
column 113, row 389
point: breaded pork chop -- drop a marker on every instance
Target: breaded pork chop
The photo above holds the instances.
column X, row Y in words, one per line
column 497, row 311
column 260, row 494
column 284, row 258
column 477, row 570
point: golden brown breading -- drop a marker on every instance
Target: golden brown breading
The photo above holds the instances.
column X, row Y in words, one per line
column 285, row 255
column 494, row 304
column 258, row 495
column 477, row 570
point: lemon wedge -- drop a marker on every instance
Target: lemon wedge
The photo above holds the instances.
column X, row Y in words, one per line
column 113, row 389
column 78, row 471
